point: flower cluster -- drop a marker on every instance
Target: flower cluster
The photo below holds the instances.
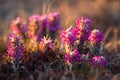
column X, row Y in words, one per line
column 50, row 23
column 78, row 46
column 82, row 34
column 39, row 25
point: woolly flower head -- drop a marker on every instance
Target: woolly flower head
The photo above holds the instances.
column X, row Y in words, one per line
column 99, row 61
column 73, row 56
column 15, row 46
column 96, row 36
column 47, row 42
column 68, row 36
column 11, row 45
column 83, row 28
column 83, row 23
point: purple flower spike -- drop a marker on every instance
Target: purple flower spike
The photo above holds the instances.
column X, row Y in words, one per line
column 53, row 22
column 98, row 61
column 19, row 48
column 15, row 46
column 56, row 21
column 83, row 28
column 68, row 36
column 42, row 27
column 96, row 36
column 83, row 22
column 73, row 56
column 24, row 28
column 11, row 45
column 43, row 21
column 33, row 26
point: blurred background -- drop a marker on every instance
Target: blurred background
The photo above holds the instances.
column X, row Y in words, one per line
column 105, row 15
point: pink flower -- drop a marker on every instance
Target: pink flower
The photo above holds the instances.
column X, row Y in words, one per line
column 99, row 61
column 47, row 42
column 68, row 35
column 73, row 56
column 96, row 36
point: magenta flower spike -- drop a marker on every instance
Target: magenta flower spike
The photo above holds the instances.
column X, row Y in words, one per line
column 98, row 61
column 53, row 22
column 68, row 36
column 43, row 21
column 15, row 47
column 24, row 28
column 96, row 36
column 11, row 45
column 83, row 23
column 73, row 56
column 34, row 24
column 19, row 48
column 83, row 28
column 56, row 23
column 42, row 27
